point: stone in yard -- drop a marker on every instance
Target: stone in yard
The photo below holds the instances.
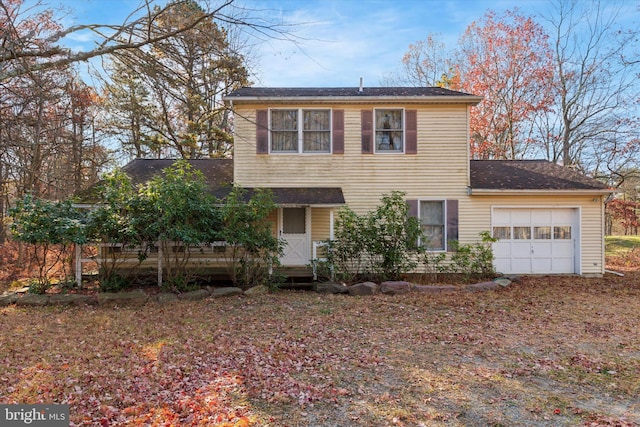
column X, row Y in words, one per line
column 396, row 287
column 484, row 286
column 123, row 298
column 166, row 297
column 196, row 295
column 226, row 292
column 364, row 288
column 502, row 281
column 33, row 300
column 72, row 299
column 8, row 299
column 257, row 290
column 330, row 288
column 435, row 289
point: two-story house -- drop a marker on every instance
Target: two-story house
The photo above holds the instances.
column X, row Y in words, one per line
column 320, row 148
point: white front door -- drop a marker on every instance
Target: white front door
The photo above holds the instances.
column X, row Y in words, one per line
column 294, row 230
column 536, row 241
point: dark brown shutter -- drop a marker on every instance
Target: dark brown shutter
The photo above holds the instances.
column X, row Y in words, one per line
column 413, row 208
column 262, row 131
column 411, row 132
column 367, row 131
column 452, row 222
column 412, row 212
column 338, row 132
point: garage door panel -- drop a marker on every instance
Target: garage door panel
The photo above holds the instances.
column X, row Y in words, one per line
column 502, row 217
column 520, row 265
column 542, row 241
column 541, row 216
column 541, row 249
column 563, row 264
column 541, row 265
column 502, row 250
column 521, row 249
column 563, row 216
column 521, row 217
column 562, row 247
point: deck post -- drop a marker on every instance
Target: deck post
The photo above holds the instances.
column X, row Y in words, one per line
column 78, row 265
column 159, row 264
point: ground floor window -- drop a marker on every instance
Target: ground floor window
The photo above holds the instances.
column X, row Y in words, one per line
column 432, row 222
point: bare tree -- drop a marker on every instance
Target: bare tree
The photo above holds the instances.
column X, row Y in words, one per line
column 30, row 38
column 594, row 84
column 426, row 63
column 171, row 91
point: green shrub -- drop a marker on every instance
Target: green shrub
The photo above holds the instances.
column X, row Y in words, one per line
column 474, row 260
column 45, row 224
column 113, row 283
column 253, row 252
column 179, row 284
column 380, row 244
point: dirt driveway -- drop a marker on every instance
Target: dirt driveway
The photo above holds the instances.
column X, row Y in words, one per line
column 543, row 352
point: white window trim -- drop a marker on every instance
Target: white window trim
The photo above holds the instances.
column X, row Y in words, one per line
column 404, row 132
column 301, row 133
column 444, row 221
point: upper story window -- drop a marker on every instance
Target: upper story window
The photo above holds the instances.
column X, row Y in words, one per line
column 389, row 131
column 300, row 131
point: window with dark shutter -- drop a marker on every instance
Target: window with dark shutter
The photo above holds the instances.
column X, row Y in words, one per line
column 367, row 131
column 452, row 222
column 262, row 132
column 411, row 132
column 438, row 221
column 338, row 132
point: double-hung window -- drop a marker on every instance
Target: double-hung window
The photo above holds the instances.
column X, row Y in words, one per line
column 300, row 131
column 432, row 222
column 389, row 131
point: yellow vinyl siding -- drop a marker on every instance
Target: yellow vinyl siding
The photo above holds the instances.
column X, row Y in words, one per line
column 320, row 224
column 364, row 178
column 440, row 170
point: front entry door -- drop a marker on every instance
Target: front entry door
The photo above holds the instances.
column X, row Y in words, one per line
column 294, row 232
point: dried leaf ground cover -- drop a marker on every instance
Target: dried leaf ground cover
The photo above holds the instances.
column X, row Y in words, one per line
column 546, row 351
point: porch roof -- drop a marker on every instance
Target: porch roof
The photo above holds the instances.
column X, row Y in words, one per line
column 306, row 196
column 218, row 175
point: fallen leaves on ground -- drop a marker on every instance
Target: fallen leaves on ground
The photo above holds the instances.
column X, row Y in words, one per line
column 545, row 351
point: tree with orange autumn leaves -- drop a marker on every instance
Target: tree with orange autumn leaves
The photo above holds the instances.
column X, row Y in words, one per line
column 506, row 60
column 562, row 86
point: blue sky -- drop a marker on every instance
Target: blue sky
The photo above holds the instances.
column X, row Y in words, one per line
column 339, row 41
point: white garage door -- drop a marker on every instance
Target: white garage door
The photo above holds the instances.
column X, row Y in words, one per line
column 535, row 241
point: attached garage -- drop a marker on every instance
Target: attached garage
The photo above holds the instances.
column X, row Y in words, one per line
column 549, row 219
column 536, row 240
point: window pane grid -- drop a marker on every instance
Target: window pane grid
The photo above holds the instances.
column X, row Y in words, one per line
column 316, row 142
column 284, row 120
column 432, row 224
column 542, row 233
column 389, row 130
column 560, row 232
column 522, row 233
column 503, row 233
column 314, row 137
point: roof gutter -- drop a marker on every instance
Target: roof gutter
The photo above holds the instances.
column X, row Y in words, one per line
column 547, row 192
column 470, row 99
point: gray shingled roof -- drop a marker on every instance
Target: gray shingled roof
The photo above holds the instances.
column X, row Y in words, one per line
column 310, row 92
column 218, row 174
column 528, row 175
